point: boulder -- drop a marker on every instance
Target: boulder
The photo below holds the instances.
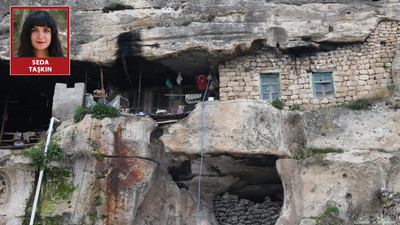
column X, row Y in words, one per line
column 237, row 127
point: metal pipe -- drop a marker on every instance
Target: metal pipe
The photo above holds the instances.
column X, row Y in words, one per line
column 35, row 201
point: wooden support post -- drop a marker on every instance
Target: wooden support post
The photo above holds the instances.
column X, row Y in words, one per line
column 140, row 89
column 4, row 119
column 102, row 84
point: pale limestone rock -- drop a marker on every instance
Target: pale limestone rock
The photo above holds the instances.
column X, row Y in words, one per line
column 158, row 29
column 241, row 127
column 122, row 136
column 395, row 98
column 290, row 173
column 351, row 180
column 173, row 206
column 354, row 130
column 113, row 187
column 16, row 175
column 133, row 174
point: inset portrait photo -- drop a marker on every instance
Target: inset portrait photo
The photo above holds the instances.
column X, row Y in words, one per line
column 39, row 40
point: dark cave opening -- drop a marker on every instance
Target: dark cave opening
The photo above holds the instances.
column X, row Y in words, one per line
column 255, row 188
column 256, row 176
column 29, row 99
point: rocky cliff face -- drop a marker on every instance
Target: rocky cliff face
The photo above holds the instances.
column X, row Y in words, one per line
column 129, row 171
column 211, row 30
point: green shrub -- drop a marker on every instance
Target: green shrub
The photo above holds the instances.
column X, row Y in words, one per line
column 101, row 111
column 38, row 158
column 360, row 104
column 295, row 107
column 97, row 201
column 98, row 155
column 80, row 113
column 330, row 217
column 391, row 87
column 304, row 153
column 54, row 152
column 277, row 103
column 332, row 209
column 98, row 111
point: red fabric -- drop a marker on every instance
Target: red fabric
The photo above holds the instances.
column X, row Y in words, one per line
column 201, row 81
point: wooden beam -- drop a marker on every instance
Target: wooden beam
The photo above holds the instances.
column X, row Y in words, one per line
column 4, row 119
column 102, row 84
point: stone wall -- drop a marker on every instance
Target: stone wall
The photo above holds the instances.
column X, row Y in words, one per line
column 358, row 70
column 3, row 190
column 67, row 100
column 229, row 209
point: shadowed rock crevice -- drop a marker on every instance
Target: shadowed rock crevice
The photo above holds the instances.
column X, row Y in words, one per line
column 254, row 180
column 4, row 189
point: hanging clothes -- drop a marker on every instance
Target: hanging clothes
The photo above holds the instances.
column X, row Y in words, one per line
column 179, row 79
column 168, row 83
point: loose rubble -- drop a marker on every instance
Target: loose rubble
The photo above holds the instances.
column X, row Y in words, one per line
column 229, row 209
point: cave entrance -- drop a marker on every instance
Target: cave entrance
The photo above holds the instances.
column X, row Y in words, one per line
column 26, row 101
column 241, row 189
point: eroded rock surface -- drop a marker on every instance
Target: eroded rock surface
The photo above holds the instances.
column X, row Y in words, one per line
column 159, row 29
column 127, row 170
column 350, row 180
column 16, row 184
column 241, row 127
column 375, row 129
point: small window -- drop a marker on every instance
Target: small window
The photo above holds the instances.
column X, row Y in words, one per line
column 270, row 88
column 323, row 85
column 160, row 100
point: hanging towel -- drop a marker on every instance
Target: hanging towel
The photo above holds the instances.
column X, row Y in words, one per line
column 168, row 83
column 179, row 79
column 201, row 81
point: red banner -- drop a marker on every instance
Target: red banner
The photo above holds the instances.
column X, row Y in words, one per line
column 39, row 66
column 201, row 81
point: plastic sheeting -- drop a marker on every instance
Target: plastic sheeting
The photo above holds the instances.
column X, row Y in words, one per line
column 89, row 101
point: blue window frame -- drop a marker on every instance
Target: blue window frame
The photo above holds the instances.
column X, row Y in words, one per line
column 323, row 85
column 270, row 86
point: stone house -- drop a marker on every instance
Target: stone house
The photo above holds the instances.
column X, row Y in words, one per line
column 312, row 79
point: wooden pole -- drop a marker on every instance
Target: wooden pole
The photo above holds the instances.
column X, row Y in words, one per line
column 4, row 119
column 102, row 85
column 126, row 72
column 140, row 87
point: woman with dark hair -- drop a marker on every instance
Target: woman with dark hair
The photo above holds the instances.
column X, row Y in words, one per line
column 39, row 36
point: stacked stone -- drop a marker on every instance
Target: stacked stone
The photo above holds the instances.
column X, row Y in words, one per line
column 390, row 204
column 3, row 190
column 358, row 70
column 229, row 210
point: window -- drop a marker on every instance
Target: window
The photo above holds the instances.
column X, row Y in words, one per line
column 160, row 100
column 323, row 85
column 270, row 88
